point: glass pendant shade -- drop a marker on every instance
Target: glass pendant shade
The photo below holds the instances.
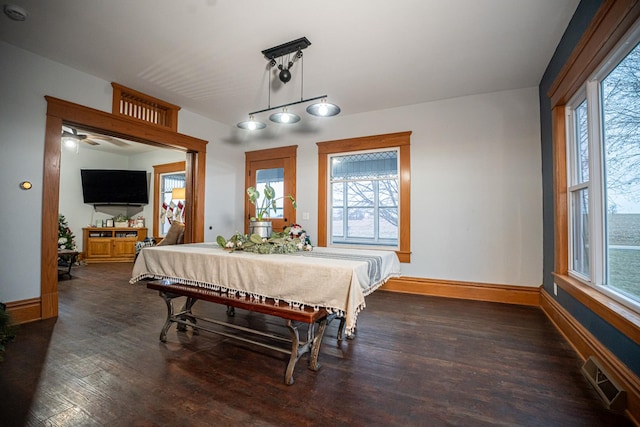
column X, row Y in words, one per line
column 323, row 109
column 284, row 117
column 251, row 124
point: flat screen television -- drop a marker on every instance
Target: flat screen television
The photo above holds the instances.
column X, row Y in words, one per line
column 114, row 187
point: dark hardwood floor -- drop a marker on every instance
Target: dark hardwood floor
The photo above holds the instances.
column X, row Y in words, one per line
column 415, row 361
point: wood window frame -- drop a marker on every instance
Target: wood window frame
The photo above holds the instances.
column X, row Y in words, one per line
column 400, row 140
column 288, row 157
column 610, row 24
column 159, row 170
column 61, row 112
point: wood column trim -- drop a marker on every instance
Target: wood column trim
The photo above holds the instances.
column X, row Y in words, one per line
column 560, row 221
column 59, row 112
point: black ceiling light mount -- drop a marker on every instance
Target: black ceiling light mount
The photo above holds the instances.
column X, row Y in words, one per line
column 284, row 56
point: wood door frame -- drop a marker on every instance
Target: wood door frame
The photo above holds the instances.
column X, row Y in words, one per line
column 288, row 155
column 61, row 112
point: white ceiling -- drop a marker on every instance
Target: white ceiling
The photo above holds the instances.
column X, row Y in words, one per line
column 205, row 55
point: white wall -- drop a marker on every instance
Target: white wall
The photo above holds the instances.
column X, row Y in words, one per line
column 476, row 192
column 24, row 81
column 476, row 174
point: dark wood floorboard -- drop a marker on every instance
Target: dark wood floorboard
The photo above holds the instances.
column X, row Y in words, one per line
column 416, row 361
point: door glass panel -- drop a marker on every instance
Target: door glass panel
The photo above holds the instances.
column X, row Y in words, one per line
column 274, row 178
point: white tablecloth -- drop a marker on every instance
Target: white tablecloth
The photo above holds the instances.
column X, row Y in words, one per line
column 335, row 279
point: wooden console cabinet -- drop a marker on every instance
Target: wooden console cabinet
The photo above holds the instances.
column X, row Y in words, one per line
column 111, row 244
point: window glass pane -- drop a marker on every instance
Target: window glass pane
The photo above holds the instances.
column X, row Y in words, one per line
column 360, row 193
column 364, row 190
column 170, row 209
column 388, row 193
column 368, row 165
column 337, row 223
column 582, row 143
column 360, row 223
column 389, row 223
column 274, row 178
column 580, row 231
column 620, row 92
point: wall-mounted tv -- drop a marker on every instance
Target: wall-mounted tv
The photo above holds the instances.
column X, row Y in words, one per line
column 114, row 187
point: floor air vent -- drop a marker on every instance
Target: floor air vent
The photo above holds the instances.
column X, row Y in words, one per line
column 611, row 393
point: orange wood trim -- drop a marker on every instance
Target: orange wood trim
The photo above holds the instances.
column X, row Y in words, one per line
column 157, row 171
column 561, row 232
column 609, row 25
column 399, row 139
column 50, row 209
column 620, row 317
column 520, row 295
column 24, row 311
column 322, row 197
column 169, row 112
column 272, row 153
column 364, row 143
column 587, row 345
column 121, row 126
column 59, row 112
column 404, row 254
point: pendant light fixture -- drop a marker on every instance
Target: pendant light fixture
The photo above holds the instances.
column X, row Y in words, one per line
column 276, row 56
column 284, row 117
column 251, row 124
column 323, row 109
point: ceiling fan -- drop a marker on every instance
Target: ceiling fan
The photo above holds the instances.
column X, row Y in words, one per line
column 73, row 134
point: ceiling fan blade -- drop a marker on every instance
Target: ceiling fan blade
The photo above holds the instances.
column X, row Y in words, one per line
column 115, row 141
column 74, row 135
column 90, row 141
column 119, row 142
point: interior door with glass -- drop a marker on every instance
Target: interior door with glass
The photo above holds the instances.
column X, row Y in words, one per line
column 280, row 175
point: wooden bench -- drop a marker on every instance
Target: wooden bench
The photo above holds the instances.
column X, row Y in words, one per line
column 315, row 320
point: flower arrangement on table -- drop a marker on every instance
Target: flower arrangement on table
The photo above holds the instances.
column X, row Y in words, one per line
column 66, row 239
column 291, row 240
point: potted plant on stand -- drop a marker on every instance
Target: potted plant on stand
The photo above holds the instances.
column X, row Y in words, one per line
column 121, row 221
column 268, row 202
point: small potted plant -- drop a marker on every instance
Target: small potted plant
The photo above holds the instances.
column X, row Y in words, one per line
column 121, row 220
column 257, row 225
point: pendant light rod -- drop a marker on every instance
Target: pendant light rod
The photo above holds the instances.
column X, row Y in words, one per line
column 287, row 105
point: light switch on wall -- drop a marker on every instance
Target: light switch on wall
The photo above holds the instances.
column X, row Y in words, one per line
column 305, row 215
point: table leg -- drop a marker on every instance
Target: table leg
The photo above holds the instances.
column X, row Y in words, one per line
column 315, row 346
column 167, row 324
column 295, row 348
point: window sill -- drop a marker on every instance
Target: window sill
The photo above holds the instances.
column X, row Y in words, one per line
column 619, row 316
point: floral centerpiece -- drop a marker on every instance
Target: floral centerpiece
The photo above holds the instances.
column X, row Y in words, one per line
column 66, row 239
column 279, row 243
